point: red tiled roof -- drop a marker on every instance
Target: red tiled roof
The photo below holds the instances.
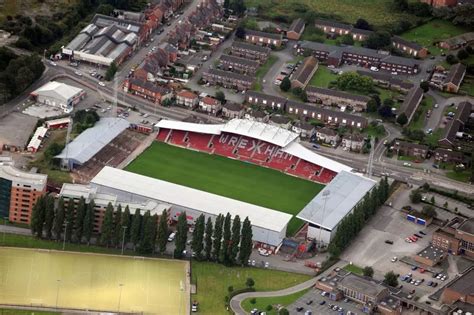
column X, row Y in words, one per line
column 210, row 101
column 187, row 94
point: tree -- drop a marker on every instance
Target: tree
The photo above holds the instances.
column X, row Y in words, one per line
column 110, row 73
column 283, row 311
column 245, row 242
column 378, row 40
column 432, row 200
column 285, row 84
column 135, row 228
column 391, row 279
column 218, row 224
column 49, row 216
column 401, row 5
column 429, row 211
column 37, row 217
column 385, row 111
column 368, row 271
column 198, row 237
column 220, row 96
column 181, row 235
column 208, row 240
column 88, row 224
column 240, row 32
column 105, row 9
column 253, row 300
column 352, row 81
column 79, row 221
column 235, row 240
column 415, row 196
column 362, row 24
column 451, row 59
column 425, row 86
column 249, row 283
column 107, row 230
column 462, row 54
column 402, row 119
column 147, row 241
column 226, row 236
column 69, row 227
column 162, row 233
column 347, row 40
column 118, row 230
column 371, row 106
column 126, row 221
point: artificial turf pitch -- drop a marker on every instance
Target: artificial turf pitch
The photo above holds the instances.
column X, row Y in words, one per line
column 227, row 177
column 44, row 278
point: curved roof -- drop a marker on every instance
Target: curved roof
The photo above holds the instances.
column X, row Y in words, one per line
column 92, row 140
column 193, row 127
column 261, row 131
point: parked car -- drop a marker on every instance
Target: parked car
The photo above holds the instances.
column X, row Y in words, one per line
column 394, row 259
column 171, row 237
column 422, row 233
column 389, row 242
column 322, row 302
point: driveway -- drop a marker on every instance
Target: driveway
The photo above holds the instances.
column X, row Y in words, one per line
column 284, row 56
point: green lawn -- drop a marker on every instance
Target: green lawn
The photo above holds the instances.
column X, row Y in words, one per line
column 432, row 139
column 464, row 176
column 426, row 104
column 377, row 12
column 262, row 70
column 375, row 131
column 468, row 85
column 354, row 269
column 212, row 281
column 262, row 303
column 432, row 32
column 322, row 77
column 226, row 177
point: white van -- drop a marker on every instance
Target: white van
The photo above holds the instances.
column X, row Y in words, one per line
column 171, row 237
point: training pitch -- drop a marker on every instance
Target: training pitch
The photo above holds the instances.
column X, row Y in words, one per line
column 227, row 177
column 66, row 280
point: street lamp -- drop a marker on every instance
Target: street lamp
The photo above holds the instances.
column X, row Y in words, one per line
column 120, row 297
column 57, row 292
column 123, row 237
column 65, row 232
column 326, row 194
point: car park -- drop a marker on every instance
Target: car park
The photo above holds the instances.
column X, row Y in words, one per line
column 299, row 309
column 309, row 302
column 322, row 302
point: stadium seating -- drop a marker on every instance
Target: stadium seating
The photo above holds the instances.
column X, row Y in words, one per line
column 263, row 151
column 281, row 163
column 245, row 148
column 162, row 135
column 225, row 145
column 325, row 176
column 199, row 141
column 178, row 137
column 305, row 169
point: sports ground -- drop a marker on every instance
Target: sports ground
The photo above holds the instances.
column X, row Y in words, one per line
column 53, row 279
column 227, row 177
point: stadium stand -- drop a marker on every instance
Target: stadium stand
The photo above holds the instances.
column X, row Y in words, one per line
column 255, row 142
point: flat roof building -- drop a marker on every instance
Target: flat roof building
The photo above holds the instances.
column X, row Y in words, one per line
column 59, row 94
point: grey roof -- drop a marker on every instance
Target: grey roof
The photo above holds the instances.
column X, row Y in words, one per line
column 455, row 74
column 231, row 75
column 304, row 72
column 463, row 113
column 400, row 60
column 240, row 61
column 318, row 46
column 297, row 26
column 92, row 140
column 248, row 46
column 432, row 253
column 126, row 25
column 467, row 226
column 280, row 119
column 327, row 131
column 411, row 102
column 336, row 93
column 407, row 43
column 465, row 283
column 263, row 34
column 234, row 107
column 361, row 31
column 385, row 77
column 360, row 284
column 332, row 24
column 406, row 144
column 450, row 130
column 150, row 86
column 261, row 96
column 345, row 191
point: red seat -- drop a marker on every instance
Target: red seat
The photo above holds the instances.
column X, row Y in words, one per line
column 178, row 137
column 281, row 161
column 162, row 134
column 305, row 169
column 225, row 144
column 199, row 141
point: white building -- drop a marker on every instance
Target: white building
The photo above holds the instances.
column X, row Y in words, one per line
column 334, row 203
column 268, row 226
column 58, row 94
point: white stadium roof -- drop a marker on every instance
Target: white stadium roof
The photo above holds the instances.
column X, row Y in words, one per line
column 92, row 140
column 336, row 200
column 193, row 127
column 306, row 154
column 261, row 131
column 190, row 198
column 57, row 90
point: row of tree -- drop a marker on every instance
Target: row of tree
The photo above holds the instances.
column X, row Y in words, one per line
column 354, row 222
column 227, row 240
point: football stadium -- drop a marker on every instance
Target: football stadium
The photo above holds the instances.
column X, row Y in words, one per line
column 93, row 282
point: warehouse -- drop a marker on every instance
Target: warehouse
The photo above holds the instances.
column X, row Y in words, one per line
column 268, row 226
column 58, row 94
column 333, row 204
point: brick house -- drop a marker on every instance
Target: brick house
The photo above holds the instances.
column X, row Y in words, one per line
column 411, row 149
column 332, row 27
column 353, row 142
column 411, row 103
column 328, row 135
column 456, row 124
column 228, row 79
column 457, row 41
column 339, row 98
column 455, row 76
column 187, row 98
column 408, row 47
column 257, row 115
column 441, row 3
column 388, row 81
column 304, row 73
column 264, row 100
column 210, row 105
column 280, row 121
column 460, row 289
column 304, row 129
column 448, row 156
column 147, row 90
column 232, row 110
column 238, row 64
column 263, row 38
column 296, row 29
column 250, row 51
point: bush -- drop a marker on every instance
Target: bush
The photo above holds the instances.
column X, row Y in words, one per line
column 253, row 300
column 249, row 282
column 269, row 308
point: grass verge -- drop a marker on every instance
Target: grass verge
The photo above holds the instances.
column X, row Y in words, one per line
column 354, row 269
column 322, row 77
column 262, row 303
column 262, row 70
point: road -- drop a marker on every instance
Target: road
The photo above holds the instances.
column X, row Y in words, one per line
column 284, row 56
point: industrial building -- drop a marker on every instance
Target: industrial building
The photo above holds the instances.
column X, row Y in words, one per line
column 19, row 191
column 268, row 226
column 59, row 94
column 334, row 203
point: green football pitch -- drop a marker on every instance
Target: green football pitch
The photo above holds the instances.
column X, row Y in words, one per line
column 227, row 177
column 46, row 278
